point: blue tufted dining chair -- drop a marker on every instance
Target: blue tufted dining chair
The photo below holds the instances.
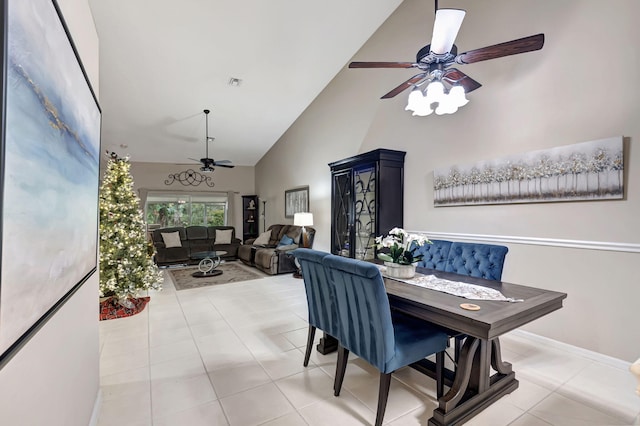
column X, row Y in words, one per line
column 320, row 295
column 368, row 329
column 475, row 260
column 434, row 254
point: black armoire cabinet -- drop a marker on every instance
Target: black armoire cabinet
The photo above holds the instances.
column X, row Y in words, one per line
column 249, row 217
column 367, row 196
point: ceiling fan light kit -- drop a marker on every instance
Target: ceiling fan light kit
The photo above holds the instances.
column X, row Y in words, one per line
column 446, row 87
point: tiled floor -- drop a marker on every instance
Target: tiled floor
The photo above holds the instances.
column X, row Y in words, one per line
column 232, row 355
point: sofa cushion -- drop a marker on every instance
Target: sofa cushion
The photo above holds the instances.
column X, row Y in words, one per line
column 171, row 239
column 285, row 241
column 196, row 232
column 263, row 239
column 223, row 236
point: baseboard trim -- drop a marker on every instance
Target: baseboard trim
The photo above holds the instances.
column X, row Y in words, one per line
column 505, row 239
column 585, row 353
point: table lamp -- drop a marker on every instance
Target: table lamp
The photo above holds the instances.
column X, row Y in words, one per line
column 303, row 219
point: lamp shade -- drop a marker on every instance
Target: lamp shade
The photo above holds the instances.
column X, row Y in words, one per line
column 303, row 219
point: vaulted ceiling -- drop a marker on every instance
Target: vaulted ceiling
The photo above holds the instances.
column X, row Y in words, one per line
column 163, row 62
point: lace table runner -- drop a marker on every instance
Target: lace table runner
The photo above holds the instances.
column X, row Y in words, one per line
column 468, row 291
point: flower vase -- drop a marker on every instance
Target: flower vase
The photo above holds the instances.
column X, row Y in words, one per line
column 396, row 270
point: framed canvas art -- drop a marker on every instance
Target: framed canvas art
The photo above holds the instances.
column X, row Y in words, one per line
column 49, row 171
column 296, row 201
column 586, row 171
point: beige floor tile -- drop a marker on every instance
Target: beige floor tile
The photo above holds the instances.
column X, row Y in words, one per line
column 172, row 351
column 308, row 387
column 599, row 386
column 291, row 419
column 283, row 364
column 528, row 420
column 202, row 415
column 345, row 410
column 561, row 411
column 126, row 409
column 527, row 395
column 256, row 406
column 178, row 368
column 499, row 413
column 417, row 417
column 173, row 395
column 229, row 381
column 402, row 399
column 132, row 360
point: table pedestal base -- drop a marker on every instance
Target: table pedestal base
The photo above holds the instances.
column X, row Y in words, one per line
column 473, row 389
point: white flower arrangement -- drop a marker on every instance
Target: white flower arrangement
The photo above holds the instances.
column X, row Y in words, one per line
column 402, row 246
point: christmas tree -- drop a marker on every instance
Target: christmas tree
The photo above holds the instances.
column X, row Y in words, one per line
column 126, row 264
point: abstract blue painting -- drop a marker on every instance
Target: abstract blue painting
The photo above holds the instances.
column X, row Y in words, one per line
column 51, row 141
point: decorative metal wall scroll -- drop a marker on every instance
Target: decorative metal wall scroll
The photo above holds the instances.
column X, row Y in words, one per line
column 189, row 177
column 584, row 171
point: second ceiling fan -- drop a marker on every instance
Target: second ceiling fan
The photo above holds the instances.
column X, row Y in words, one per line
column 435, row 62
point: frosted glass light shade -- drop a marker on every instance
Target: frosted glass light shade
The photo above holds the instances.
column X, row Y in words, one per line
column 416, row 99
column 445, row 29
column 457, row 96
column 435, row 91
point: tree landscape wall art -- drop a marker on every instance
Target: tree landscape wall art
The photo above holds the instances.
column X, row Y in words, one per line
column 50, row 169
column 583, row 171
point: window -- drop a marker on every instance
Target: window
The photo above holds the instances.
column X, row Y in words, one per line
column 164, row 210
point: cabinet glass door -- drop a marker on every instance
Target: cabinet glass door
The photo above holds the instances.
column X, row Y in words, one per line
column 365, row 212
column 341, row 239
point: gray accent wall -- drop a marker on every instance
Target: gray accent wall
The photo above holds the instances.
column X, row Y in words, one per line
column 581, row 86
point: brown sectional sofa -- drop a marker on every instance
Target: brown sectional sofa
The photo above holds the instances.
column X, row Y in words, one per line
column 193, row 239
column 273, row 258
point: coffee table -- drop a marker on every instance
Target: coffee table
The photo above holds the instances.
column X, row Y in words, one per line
column 210, row 260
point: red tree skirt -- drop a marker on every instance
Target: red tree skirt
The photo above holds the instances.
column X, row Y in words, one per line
column 111, row 309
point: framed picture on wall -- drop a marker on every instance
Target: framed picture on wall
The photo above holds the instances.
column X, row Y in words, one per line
column 295, row 201
column 50, row 171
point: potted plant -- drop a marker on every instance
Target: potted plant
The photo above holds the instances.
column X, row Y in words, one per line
column 401, row 258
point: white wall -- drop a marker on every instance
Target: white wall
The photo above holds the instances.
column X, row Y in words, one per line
column 54, row 378
column 581, row 86
column 240, row 179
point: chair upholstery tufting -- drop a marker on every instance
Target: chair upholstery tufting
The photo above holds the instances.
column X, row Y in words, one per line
column 435, row 254
column 476, row 260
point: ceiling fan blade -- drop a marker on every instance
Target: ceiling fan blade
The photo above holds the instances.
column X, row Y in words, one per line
column 455, row 76
column 445, row 29
column 194, row 159
column 381, row 65
column 513, row 47
column 230, row 166
column 404, row 86
column 222, row 161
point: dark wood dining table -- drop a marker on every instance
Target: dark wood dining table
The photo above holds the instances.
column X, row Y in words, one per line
column 472, row 386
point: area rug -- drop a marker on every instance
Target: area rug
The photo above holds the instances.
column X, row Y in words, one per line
column 231, row 273
column 111, row 309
